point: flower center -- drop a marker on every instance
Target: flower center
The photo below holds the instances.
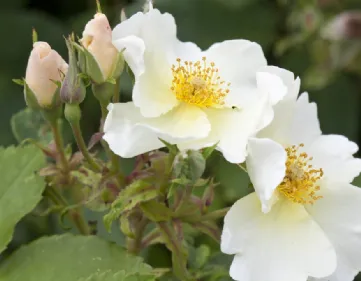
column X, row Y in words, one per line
column 198, row 83
column 300, row 182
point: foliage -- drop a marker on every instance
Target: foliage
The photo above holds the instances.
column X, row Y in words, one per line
column 121, row 191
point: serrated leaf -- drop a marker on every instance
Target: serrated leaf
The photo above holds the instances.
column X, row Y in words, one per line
column 118, row 276
column 156, row 211
column 20, row 188
column 130, row 197
column 69, row 258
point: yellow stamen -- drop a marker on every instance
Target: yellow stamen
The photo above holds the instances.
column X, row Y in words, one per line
column 300, row 182
column 198, row 83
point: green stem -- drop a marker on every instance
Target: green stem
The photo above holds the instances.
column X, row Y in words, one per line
column 116, row 97
column 134, row 245
column 164, row 185
column 74, row 215
column 82, row 146
column 216, row 214
column 59, row 145
column 179, row 257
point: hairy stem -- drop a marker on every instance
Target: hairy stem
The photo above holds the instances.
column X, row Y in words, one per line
column 74, row 215
column 134, row 245
column 60, row 146
column 179, row 258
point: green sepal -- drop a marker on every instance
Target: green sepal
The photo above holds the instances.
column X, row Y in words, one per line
column 206, row 152
column 118, row 66
column 20, row 82
column 156, row 211
column 104, row 92
column 173, row 149
column 89, row 65
column 73, row 90
column 30, row 98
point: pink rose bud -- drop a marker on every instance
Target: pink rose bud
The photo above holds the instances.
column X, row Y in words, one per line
column 97, row 39
column 345, row 26
column 45, row 67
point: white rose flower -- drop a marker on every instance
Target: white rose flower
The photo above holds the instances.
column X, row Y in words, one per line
column 186, row 96
column 304, row 218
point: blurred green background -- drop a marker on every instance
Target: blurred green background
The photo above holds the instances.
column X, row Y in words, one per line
column 288, row 30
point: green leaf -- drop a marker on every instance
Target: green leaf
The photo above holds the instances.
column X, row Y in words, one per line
column 199, row 256
column 130, row 197
column 28, row 123
column 118, row 276
column 69, row 258
column 20, row 188
column 156, row 211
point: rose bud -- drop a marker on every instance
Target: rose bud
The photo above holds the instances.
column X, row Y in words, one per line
column 45, row 68
column 99, row 58
column 72, row 90
column 345, row 26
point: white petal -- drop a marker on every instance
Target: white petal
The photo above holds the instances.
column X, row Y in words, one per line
column 266, row 166
column 284, row 111
column 124, row 134
column 185, row 122
column 133, row 50
column 338, row 214
column 152, row 89
column 154, row 28
column 238, row 61
column 282, row 245
column 333, row 153
column 151, row 93
column 273, row 85
column 232, row 128
column 305, row 125
column 343, row 273
column 288, row 79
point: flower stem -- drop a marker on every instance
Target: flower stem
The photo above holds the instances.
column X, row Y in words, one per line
column 134, row 245
column 164, row 185
column 179, row 257
column 83, row 148
column 59, row 146
column 74, row 215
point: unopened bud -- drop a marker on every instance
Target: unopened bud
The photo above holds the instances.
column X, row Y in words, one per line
column 208, row 196
column 345, row 26
column 100, row 57
column 45, row 70
column 73, row 89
